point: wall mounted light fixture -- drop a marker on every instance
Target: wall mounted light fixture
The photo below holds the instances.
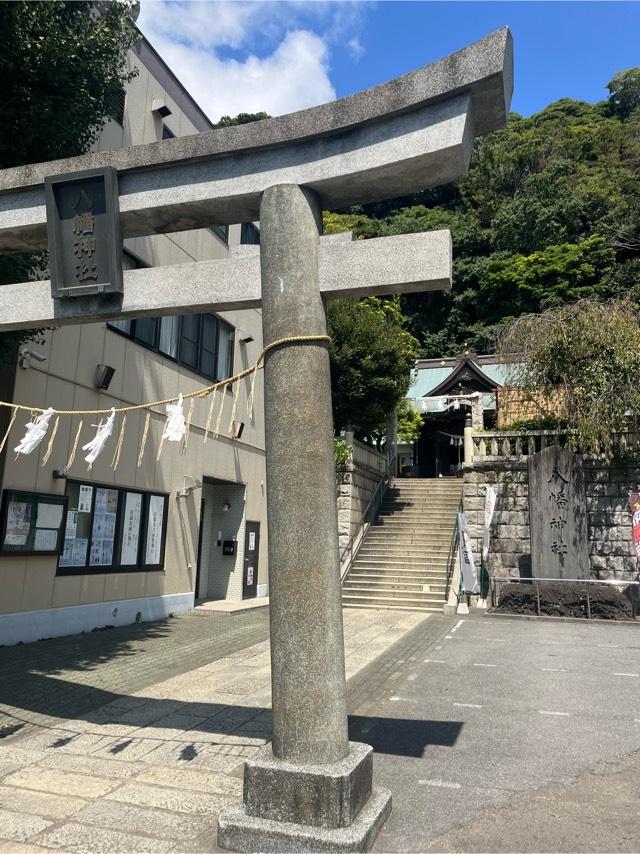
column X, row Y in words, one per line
column 104, row 375
column 159, row 106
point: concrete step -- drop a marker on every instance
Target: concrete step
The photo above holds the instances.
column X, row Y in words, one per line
column 399, row 538
column 423, row 497
column 435, row 524
column 433, row 514
column 396, row 593
column 404, row 565
column 391, row 601
column 430, row 489
column 374, row 607
column 426, row 486
column 427, row 504
column 421, row 558
column 436, row 560
column 428, row 531
column 422, row 500
column 393, row 587
column 397, row 576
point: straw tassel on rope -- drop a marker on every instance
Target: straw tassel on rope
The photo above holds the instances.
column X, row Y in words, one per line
column 176, row 427
column 187, row 428
column 47, row 453
column 249, row 407
column 143, row 441
column 216, row 432
column 236, row 389
column 210, row 415
column 6, row 435
column 118, row 450
column 72, row 455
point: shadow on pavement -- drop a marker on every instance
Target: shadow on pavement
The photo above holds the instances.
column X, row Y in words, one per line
column 402, row 736
column 40, row 694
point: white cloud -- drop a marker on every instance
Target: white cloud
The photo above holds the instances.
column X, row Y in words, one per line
column 355, row 48
column 281, row 63
column 294, row 76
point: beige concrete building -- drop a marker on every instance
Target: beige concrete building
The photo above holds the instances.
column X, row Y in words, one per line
column 144, row 540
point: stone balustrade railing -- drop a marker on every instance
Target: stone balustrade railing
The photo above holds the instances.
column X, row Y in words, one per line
column 487, row 446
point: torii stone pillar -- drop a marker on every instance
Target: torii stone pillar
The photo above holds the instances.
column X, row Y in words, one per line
column 311, row 789
column 304, row 572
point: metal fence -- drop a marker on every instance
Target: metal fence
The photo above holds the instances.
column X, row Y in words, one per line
column 587, row 583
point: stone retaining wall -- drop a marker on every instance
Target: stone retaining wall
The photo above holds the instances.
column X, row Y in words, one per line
column 611, row 549
column 355, row 488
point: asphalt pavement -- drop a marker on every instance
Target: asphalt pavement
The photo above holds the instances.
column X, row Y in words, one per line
column 510, row 735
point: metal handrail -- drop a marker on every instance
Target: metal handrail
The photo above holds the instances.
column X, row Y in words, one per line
column 612, row 582
column 452, row 553
column 363, row 525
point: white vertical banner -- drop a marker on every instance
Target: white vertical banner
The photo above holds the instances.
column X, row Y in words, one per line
column 489, row 507
column 467, row 565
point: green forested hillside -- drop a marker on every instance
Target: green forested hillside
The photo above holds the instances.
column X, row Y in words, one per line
column 549, row 213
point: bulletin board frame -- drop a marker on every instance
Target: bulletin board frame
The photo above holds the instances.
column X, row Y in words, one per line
column 28, row 516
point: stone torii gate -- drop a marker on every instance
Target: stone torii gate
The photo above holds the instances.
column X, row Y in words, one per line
column 310, row 789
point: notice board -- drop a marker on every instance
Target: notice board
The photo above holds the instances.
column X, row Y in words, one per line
column 32, row 523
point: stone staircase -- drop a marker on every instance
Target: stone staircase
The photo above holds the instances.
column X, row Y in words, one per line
column 402, row 562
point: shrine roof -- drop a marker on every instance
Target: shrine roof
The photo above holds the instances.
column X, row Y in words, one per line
column 429, row 374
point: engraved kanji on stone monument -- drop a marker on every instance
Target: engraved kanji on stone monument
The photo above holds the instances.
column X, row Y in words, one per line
column 558, row 515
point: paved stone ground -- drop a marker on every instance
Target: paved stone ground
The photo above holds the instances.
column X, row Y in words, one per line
column 511, row 735
column 150, row 769
column 73, row 675
column 494, row 734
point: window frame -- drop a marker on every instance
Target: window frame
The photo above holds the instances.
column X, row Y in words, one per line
column 115, row 105
column 102, row 569
column 155, row 348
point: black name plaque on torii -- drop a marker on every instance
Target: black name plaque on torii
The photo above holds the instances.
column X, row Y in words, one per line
column 83, row 227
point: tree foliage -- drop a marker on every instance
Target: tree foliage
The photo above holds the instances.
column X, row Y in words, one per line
column 240, row 119
column 548, row 214
column 60, row 64
column 372, row 353
column 410, row 422
column 624, row 92
column 371, row 360
column 586, row 358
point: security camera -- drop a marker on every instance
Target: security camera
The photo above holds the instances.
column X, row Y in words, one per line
column 25, row 356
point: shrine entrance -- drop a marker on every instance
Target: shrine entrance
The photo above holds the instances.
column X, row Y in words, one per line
column 311, row 789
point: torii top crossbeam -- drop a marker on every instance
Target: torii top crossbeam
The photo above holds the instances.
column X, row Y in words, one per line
column 410, row 133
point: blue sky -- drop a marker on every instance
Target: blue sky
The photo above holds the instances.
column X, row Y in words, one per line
column 282, row 56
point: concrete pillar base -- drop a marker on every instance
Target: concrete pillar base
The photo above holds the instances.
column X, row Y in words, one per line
column 287, row 807
column 238, row 831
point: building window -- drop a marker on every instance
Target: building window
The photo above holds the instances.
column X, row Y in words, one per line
column 249, row 233
column 166, row 133
column 202, row 342
column 221, row 231
column 113, row 529
column 169, row 336
column 114, row 105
